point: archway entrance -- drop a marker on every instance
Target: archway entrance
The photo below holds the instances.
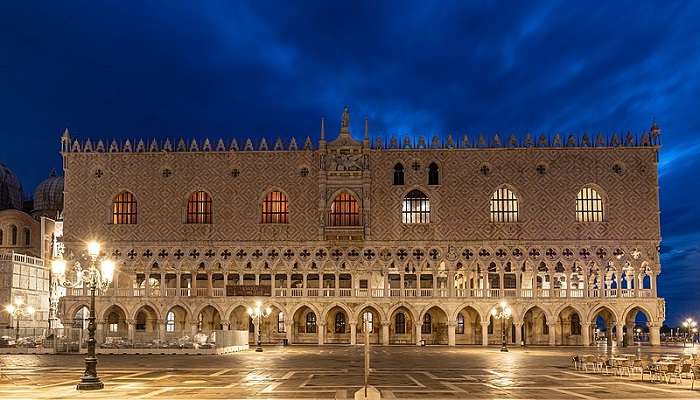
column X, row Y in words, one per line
column 535, row 327
column 434, row 326
column 468, row 328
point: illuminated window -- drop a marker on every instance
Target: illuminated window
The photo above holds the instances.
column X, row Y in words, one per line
column 504, row 206
column 589, row 205
column 275, row 208
column 310, row 322
column 368, row 318
column 281, row 328
column 199, row 208
column 433, row 174
column 170, row 322
column 344, row 211
column 416, row 208
column 400, row 323
column 339, row 322
column 427, row 323
column 124, row 208
column 460, row 324
column 398, row 174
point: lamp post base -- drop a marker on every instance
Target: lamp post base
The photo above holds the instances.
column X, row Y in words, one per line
column 259, row 349
column 504, row 348
column 90, row 380
column 90, row 383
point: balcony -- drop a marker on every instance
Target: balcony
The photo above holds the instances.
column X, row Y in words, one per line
column 572, row 293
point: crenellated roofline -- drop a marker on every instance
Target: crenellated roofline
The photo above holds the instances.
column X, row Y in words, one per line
column 650, row 138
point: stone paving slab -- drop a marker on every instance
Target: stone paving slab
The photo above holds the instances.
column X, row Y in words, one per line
column 332, row 372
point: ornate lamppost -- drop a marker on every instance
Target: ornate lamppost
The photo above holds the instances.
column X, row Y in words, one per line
column 92, row 278
column 19, row 310
column 258, row 313
column 691, row 326
column 502, row 312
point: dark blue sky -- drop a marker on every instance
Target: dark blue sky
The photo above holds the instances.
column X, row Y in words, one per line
column 230, row 69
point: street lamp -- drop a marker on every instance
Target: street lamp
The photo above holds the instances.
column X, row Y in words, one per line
column 92, row 278
column 258, row 313
column 690, row 325
column 18, row 310
column 502, row 312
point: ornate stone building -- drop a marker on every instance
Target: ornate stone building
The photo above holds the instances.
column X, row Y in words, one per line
column 423, row 239
column 26, row 238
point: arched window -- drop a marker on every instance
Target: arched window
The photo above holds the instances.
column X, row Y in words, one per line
column 368, row 318
column 170, row 322
column 398, row 174
column 275, row 208
column 310, row 322
column 589, row 205
column 1, row 236
column 344, row 211
column 575, row 324
column 427, row 323
column 281, row 328
column 27, row 237
column 339, row 322
column 400, row 323
column 14, row 235
column 124, row 208
column 251, row 325
column 489, row 329
column 199, row 208
column 460, row 324
column 141, row 321
column 416, row 208
column 113, row 322
column 433, row 174
column 504, row 206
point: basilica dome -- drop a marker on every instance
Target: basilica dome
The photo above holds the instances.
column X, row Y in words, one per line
column 10, row 189
column 48, row 195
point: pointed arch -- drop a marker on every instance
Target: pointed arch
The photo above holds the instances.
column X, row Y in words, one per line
column 398, row 174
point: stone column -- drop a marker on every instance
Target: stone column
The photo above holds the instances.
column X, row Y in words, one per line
column 178, row 280
column 619, row 339
column 99, row 332
column 552, row 333
column 131, row 325
column 451, row 333
column 289, row 327
column 586, row 334
column 193, row 329
column 419, row 333
column 629, row 337
column 385, row 333
column 418, row 286
column 484, row 333
column 518, row 333
column 161, row 330
column 353, row 332
column 450, row 283
column 321, row 329
column 654, row 335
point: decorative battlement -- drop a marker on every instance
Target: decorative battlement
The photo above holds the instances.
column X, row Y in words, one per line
column 651, row 138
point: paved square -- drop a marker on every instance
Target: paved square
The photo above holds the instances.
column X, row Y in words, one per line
column 330, row 372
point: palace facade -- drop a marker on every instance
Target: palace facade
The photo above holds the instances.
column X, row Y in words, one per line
column 422, row 239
